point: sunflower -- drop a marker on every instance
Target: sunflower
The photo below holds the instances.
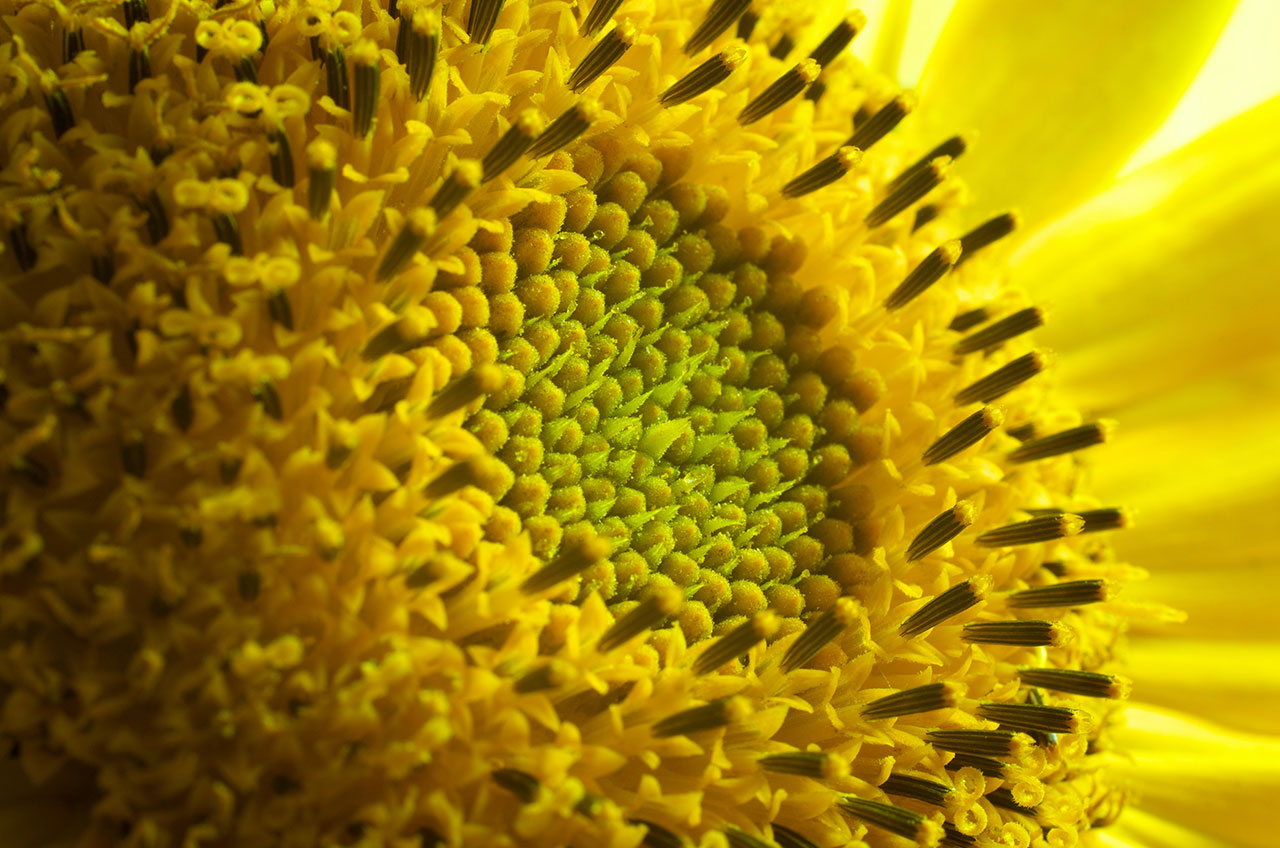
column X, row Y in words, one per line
column 623, row 423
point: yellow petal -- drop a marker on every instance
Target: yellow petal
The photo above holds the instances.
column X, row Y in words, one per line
column 1236, row 683
column 892, row 36
column 1061, row 94
column 1139, row 829
column 1232, row 603
column 1202, row 777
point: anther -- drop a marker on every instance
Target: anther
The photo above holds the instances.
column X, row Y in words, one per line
column 882, row 122
column 481, row 19
column 721, row 15
column 741, row 839
column 838, row 39
column 227, row 231
column 968, row 320
column 103, row 268
column 917, row 788
column 747, row 24
column 924, row 215
column 738, row 641
column 996, row 744
column 704, row 77
column 550, row 675
column 821, row 630
column 1066, row 441
column 1043, row 528
column 967, row 433
column 281, row 159
column 1004, row 798
column 601, row 13
column 417, row 226
column 929, row 271
column 952, row 837
column 816, row 765
column 245, row 70
column 1033, row 718
column 133, row 456
column 1022, row 321
column 824, row 173
column 952, row 602
column 181, row 408
column 653, row 610
column 657, row 836
column 520, row 784
column 417, row 43
column 139, row 67
column 476, row 383
column 72, row 44
column 266, row 394
column 1108, row 518
column 909, row 192
column 462, row 180
column 988, row 233
column 706, row 717
column 572, row 123
column 577, row 559
column 335, row 68
column 815, row 91
column 23, row 252
column 942, row 529
column 1004, row 379
column 921, row 699
column 785, row 837
column 904, row 823
column 989, row 766
column 608, row 49
column 514, row 143
column 322, row 160
column 781, row 90
column 782, row 47
column 1069, row 594
column 1025, row 633
column 135, row 11
column 59, row 112
column 1087, row 683
column 469, row 472
column 1024, row 432
column 368, row 85
column 953, row 148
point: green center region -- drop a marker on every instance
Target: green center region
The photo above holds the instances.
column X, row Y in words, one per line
column 668, row 387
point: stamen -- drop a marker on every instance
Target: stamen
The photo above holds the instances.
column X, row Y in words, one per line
column 481, row 19
column 909, row 192
column 551, row 675
column 281, row 159
column 1074, row 593
column 924, row 275
column 785, row 837
column 513, row 144
column 657, row 835
column 889, row 116
column 270, row 399
column 784, row 45
column 942, row 529
column 335, row 67
column 968, row 432
column 279, row 308
column 706, row 717
column 1004, row 379
column 139, row 67
column 953, row 147
column 838, row 39
column 133, row 456
column 968, row 320
column 1033, row 718
column 59, row 112
column 368, row 84
column 1024, row 633
column 1087, row 683
column 659, row 606
column 1109, row 518
column 704, row 77
column 738, row 641
column 953, row 838
column 476, row 383
column 180, row 408
column 1022, row 321
column 1043, row 528
column 906, row 786
column 463, row 180
column 22, row 249
column 781, row 90
column 564, row 129
column 952, row 602
column 994, row 744
column 988, row 766
column 719, row 17
column 227, row 231
column 520, row 784
column 895, row 820
column 575, row 560
column 824, row 173
column 924, row 215
column 741, row 839
column 747, row 24
column 417, row 226
column 72, row 44
column 816, row 765
column 245, row 70
column 601, row 13
column 989, row 232
column 475, row 472
column 322, row 176
column 814, row 92
column 921, row 699
column 608, row 49
column 1067, row 441
column 821, row 630
column 1023, row 432
column 1003, row 798
column 417, row 45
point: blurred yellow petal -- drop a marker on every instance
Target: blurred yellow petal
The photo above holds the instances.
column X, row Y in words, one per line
column 1201, row 777
column 893, row 34
column 1139, row 829
column 1235, row 682
column 1233, row 603
column 1080, row 85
